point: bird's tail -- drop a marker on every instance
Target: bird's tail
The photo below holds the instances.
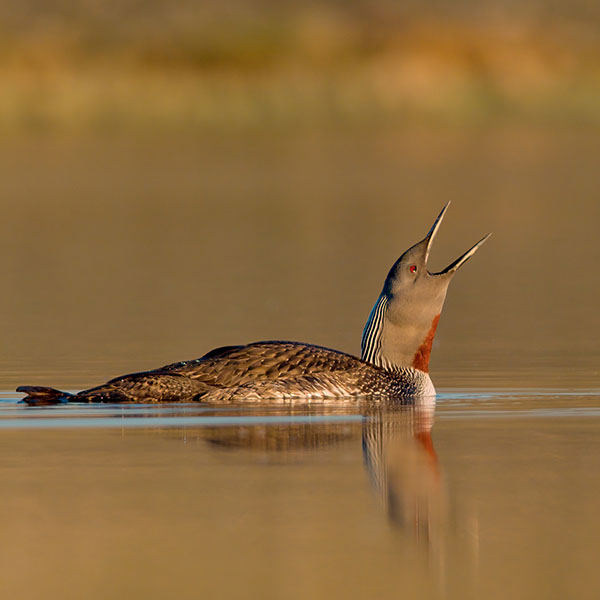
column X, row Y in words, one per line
column 41, row 396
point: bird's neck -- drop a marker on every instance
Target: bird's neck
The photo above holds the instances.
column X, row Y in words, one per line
column 394, row 342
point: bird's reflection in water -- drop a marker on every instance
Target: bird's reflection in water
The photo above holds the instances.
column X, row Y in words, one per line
column 404, row 469
column 406, row 479
column 281, row 442
column 397, row 447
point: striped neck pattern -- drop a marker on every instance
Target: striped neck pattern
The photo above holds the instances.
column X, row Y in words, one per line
column 370, row 346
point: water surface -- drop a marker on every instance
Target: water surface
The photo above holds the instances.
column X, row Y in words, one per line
column 486, row 494
column 123, row 253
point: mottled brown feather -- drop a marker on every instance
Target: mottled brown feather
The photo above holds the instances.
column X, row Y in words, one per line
column 261, row 371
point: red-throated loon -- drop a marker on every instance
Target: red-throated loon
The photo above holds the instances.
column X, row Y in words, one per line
column 394, row 362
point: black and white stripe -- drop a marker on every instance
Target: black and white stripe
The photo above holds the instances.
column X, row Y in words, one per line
column 371, row 339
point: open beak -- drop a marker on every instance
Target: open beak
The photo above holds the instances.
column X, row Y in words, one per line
column 461, row 260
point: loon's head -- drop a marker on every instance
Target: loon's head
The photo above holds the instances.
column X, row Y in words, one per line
column 401, row 326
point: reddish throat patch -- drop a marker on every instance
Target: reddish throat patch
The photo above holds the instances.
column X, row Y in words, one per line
column 421, row 357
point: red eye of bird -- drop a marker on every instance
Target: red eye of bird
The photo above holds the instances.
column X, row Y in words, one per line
column 413, row 269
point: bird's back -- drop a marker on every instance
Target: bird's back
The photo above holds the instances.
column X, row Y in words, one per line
column 277, row 370
column 240, row 365
column 259, row 372
column 262, row 371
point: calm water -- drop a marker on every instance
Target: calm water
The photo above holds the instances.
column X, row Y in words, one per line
column 120, row 255
column 124, row 254
column 486, row 495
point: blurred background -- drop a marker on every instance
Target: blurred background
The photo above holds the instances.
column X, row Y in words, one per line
column 180, row 176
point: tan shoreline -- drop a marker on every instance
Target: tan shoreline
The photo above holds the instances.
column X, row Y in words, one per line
column 324, row 73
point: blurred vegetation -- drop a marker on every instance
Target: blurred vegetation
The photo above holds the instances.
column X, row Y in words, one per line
column 108, row 64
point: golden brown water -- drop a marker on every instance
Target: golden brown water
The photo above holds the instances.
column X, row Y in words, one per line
column 125, row 254
column 501, row 501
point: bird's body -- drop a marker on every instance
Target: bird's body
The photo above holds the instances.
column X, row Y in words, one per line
column 396, row 346
column 277, row 371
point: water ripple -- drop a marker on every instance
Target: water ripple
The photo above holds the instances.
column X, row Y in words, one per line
column 451, row 404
